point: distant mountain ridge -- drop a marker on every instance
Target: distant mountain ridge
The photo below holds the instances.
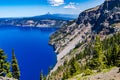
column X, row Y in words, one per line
column 57, row 16
column 47, row 20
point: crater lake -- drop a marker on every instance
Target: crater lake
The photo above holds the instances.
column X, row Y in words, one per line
column 31, row 49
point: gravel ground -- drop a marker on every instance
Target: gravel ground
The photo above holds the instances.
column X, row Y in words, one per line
column 113, row 74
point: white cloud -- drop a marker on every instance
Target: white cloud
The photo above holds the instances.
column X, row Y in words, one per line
column 56, row 2
column 71, row 5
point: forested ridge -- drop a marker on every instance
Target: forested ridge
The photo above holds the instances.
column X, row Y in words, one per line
column 96, row 56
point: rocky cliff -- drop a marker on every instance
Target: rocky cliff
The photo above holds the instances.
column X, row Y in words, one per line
column 102, row 20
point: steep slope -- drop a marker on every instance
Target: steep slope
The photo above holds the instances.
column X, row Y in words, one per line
column 94, row 58
column 103, row 20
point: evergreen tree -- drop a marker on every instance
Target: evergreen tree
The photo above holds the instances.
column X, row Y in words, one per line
column 2, row 63
column 118, row 59
column 15, row 67
column 41, row 75
column 109, row 56
column 98, row 58
column 115, row 55
column 7, row 68
column 74, row 66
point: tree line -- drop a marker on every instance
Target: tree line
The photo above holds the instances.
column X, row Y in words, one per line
column 97, row 55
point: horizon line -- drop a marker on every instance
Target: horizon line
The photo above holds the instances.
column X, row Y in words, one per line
column 36, row 15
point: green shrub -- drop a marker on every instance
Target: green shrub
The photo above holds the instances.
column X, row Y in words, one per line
column 88, row 72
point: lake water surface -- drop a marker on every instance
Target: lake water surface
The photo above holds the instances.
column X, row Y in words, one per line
column 31, row 49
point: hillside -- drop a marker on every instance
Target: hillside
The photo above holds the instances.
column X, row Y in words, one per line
column 98, row 20
column 113, row 74
column 72, row 39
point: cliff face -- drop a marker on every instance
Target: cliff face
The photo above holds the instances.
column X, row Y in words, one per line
column 102, row 16
column 71, row 39
column 102, row 20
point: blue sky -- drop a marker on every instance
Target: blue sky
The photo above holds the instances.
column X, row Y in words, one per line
column 26, row 8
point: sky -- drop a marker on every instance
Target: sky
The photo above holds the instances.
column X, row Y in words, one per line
column 27, row 8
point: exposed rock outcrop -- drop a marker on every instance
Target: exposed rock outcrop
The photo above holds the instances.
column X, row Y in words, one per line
column 101, row 20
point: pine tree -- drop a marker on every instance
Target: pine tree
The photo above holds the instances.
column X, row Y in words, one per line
column 41, row 75
column 98, row 58
column 116, row 55
column 109, row 56
column 15, row 67
column 7, row 68
column 2, row 63
column 74, row 66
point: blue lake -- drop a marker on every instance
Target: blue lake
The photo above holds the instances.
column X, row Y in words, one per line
column 31, row 48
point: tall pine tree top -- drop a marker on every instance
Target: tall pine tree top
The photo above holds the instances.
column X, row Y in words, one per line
column 15, row 67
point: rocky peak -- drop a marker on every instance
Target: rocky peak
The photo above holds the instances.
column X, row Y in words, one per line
column 110, row 4
column 107, row 13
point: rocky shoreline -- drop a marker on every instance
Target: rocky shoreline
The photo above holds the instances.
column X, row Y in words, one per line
column 33, row 23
